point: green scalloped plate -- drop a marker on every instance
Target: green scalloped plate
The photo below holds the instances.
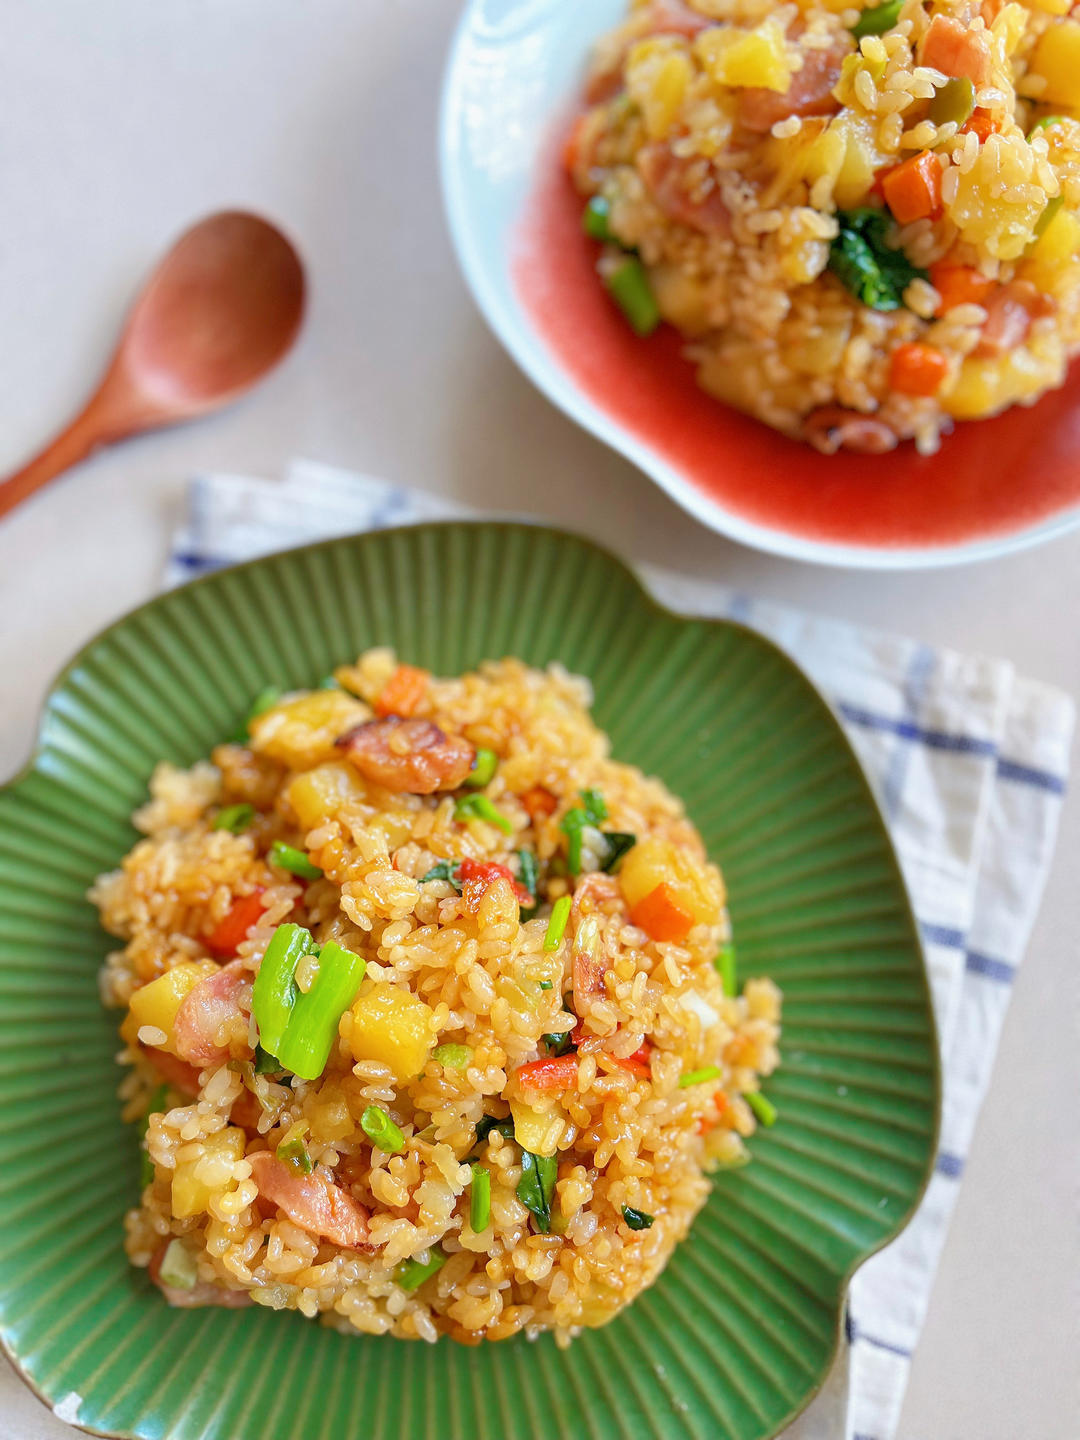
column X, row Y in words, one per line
column 739, row 1332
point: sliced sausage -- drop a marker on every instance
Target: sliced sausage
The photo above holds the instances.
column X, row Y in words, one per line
column 211, row 1024
column 312, row 1202
column 830, row 428
column 663, row 17
column 684, row 188
column 1010, row 311
column 955, row 50
column 413, row 757
column 810, row 92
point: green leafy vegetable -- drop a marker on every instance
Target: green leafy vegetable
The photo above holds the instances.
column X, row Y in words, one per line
column 864, row 263
column 560, row 1044
column 637, row 1219
column 487, row 1123
column 479, row 807
column 764, row 1109
column 537, row 1186
column 265, row 700
column 726, row 966
column 480, row 1201
column 618, row 843
column 234, row 818
column 445, row 870
column 529, row 874
column 265, row 1063
column 381, row 1130
column 878, row 19
column 296, row 862
column 560, row 914
column 411, row 1274
column 485, row 763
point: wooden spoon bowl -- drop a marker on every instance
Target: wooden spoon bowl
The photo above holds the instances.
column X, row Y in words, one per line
column 221, row 310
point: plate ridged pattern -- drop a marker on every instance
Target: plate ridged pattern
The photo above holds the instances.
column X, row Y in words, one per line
column 739, row 1331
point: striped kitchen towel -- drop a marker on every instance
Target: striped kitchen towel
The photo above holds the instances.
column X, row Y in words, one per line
column 970, row 761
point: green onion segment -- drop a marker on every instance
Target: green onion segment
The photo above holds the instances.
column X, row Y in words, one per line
column 234, row 818
column 725, row 964
column 479, row 807
column 411, row 1274
column 300, row 1028
column 296, row 862
column 628, row 285
column 381, row 1130
column 878, row 19
column 763, row 1108
column 480, row 1201
column 484, row 766
column 560, row 914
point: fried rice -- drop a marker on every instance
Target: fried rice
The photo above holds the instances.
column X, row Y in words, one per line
column 540, row 1052
column 865, row 222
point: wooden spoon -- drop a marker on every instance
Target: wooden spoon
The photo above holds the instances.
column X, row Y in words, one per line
column 221, row 309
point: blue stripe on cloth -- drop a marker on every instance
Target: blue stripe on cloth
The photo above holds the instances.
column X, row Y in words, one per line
column 992, row 969
column 949, row 1165
column 190, row 561
column 854, row 1332
column 907, row 730
column 942, row 935
column 862, row 1437
column 1029, row 775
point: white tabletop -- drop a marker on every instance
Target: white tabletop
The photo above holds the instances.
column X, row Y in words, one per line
column 122, row 123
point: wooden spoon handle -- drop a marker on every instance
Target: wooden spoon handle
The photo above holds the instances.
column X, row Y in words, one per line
column 80, row 439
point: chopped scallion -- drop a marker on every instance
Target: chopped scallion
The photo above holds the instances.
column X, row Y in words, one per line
column 595, row 220
column 265, row 700
column 411, row 1274
column 452, row 1057
column 381, row 1130
column 699, row 1077
column 536, row 1187
column 592, row 802
column 296, row 862
column 529, row 873
column 479, row 807
column 294, row 1152
column 726, row 966
column 763, row 1108
column 234, row 818
column 545, row 984
column 954, row 102
column 484, row 766
column 480, row 1202
column 560, row 914
column 628, row 285
column 637, row 1219
column 1045, row 123
column 300, row 1029
column 178, row 1268
column 878, row 19
column 275, row 992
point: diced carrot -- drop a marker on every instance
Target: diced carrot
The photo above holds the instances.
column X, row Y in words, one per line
column 720, row 1106
column 917, row 369
column 232, row 929
column 477, row 875
column 661, row 915
column 402, row 692
column 572, row 145
column 912, row 190
column 553, row 1072
column 539, row 803
column 959, row 285
column 981, row 123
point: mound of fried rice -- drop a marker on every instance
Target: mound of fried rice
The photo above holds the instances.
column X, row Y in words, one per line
column 740, row 145
column 480, row 991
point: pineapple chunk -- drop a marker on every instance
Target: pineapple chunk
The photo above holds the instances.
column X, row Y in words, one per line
column 317, row 793
column 757, row 57
column 658, row 75
column 392, row 1026
column 1057, row 60
column 983, row 387
column 1060, row 241
column 1000, row 221
column 196, row 1182
column 656, row 862
column 157, row 1003
column 300, row 731
column 538, row 1130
